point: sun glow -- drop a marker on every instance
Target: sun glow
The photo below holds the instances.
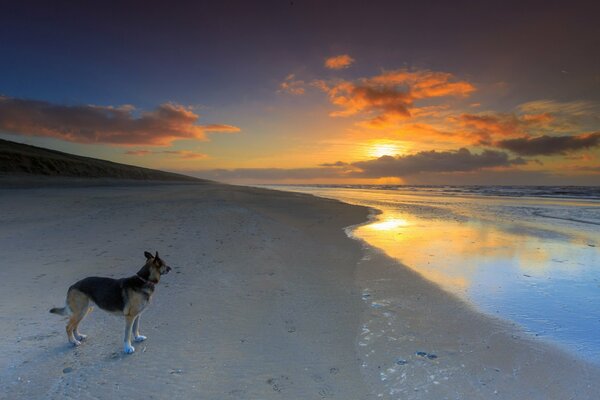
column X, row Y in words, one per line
column 389, row 224
column 383, row 149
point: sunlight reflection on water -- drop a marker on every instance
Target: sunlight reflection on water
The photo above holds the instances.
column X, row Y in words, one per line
column 503, row 255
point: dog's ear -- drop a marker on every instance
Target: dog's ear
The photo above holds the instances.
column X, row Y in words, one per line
column 156, row 256
column 148, row 255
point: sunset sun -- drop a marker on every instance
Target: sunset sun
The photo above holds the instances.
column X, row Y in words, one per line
column 383, row 149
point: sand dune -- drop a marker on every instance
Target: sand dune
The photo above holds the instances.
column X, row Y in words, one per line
column 18, row 161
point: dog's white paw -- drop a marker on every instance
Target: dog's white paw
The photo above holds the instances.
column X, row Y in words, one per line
column 128, row 349
column 76, row 343
column 140, row 338
column 80, row 337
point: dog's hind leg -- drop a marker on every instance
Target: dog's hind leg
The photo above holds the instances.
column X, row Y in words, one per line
column 136, row 330
column 127, row 347
column 80, row 336
column 78, row 303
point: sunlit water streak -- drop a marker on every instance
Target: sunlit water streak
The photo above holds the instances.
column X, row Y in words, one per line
column 535, row 261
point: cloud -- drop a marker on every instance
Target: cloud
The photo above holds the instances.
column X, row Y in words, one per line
column 484, row 127
column 549, row 145
column 588, row 168
column 291, row 85
column 185, row 154
column 104, row 124
column 424, row 84
column 461, row 160
column 587, row 157
column 572, row 108
column 389, row 97
column 433, row 161
column 427, row 132
column 546, row 118
column 339, row 62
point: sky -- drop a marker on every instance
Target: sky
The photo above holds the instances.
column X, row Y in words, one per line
column 382, row 92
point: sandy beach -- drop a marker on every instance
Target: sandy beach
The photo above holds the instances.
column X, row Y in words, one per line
column 269, row 299
column 354, row 200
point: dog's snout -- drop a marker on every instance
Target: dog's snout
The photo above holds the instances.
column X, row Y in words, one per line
column 168, row 268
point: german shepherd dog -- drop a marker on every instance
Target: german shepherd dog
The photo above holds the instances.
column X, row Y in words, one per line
column 126, row 296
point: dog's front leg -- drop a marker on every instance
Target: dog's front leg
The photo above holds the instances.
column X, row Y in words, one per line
column 136, row 330
column 127, row 347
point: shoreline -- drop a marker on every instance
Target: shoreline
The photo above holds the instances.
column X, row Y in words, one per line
column 421, row 342
column 269, row 298
column 373, row 217
column 466, row 194
column 514, row 344
column 411, row 371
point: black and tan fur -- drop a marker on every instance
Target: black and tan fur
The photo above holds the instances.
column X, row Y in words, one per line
column 126, row 296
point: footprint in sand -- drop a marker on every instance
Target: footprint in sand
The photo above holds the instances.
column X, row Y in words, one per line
column 325, row 391
column 289, row 326
column 280, row 383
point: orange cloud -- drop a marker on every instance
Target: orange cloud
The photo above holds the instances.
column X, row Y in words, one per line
column 339, row 62
column 487, row 126
column 427, row 133
column 104, row 124
column 431, row 111
column 424, row 84
column 391, row 96
column 291, row 85
column 572, row 108
column 186, row 154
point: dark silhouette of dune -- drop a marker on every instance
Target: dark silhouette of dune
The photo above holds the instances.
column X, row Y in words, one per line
column 21, row 160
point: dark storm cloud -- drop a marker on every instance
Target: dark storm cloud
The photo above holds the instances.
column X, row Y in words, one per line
column 103, row 124
column 434, row 161
column 461, row 160
column 549, row 145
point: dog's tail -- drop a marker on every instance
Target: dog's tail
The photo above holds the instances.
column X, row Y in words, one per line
column 60, row 311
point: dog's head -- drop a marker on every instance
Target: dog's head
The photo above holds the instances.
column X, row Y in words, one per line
column 156, row 263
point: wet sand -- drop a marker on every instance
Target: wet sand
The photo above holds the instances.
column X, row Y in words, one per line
column 268, row 299
column 420, row 342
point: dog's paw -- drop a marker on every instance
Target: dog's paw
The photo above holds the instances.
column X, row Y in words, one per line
column 80, row 337
column 140, row 338
column 75, row 343
column 128, row 349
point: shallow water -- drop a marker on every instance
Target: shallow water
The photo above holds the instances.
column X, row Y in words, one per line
column 531, row 260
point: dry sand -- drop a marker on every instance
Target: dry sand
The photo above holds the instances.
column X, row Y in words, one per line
column 265, row 302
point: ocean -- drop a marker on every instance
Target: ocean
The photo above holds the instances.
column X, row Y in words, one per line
column 526, row 254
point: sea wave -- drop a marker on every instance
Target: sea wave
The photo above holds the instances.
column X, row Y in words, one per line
column 569, row 192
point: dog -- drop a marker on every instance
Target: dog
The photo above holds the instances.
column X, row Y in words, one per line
column 126, row 296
